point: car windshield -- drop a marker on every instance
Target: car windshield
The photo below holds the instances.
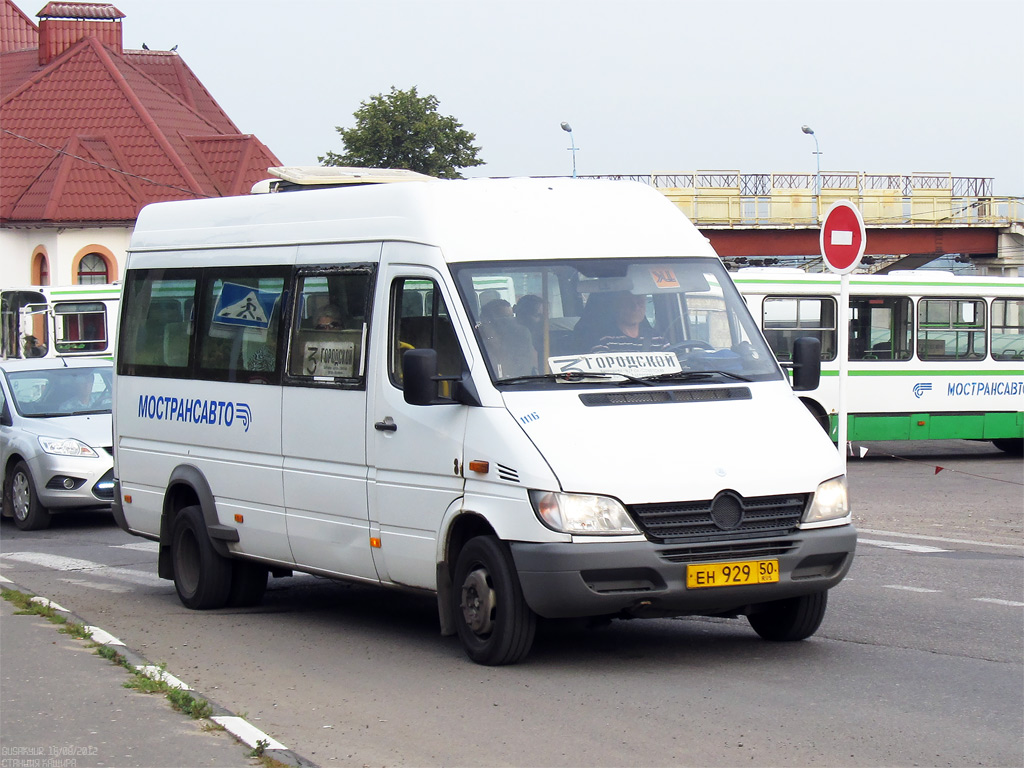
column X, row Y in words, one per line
column 61, row 391
column 634, row 320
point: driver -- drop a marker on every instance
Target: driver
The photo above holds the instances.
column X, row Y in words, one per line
column 631, row 331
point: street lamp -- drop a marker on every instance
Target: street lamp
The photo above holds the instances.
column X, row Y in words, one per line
column 568, row 129
column 817, row 176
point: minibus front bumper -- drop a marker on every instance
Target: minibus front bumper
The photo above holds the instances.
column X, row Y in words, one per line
column 642, row 578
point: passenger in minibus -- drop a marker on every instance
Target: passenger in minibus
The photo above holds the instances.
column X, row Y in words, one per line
column 508, row 343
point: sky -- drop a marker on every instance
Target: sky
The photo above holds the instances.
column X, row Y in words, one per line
column 648, row 86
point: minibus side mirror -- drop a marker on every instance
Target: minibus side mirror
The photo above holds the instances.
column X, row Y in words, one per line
column 420, row 379
column 806, row 363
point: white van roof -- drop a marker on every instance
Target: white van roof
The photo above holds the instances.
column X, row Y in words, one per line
column 469, row 220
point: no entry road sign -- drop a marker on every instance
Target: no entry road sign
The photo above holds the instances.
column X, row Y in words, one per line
column 843, row 237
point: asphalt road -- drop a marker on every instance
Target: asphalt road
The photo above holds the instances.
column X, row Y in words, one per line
column 920, row 660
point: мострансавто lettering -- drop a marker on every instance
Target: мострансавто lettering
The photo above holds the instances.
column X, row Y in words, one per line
column 979, row 388
column 194, row 410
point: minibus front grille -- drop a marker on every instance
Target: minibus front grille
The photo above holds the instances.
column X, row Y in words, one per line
column 727, row 516
column 655, row 396
column 731, row 551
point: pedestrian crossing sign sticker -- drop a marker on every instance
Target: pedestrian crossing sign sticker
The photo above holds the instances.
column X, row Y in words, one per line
column 242, row 305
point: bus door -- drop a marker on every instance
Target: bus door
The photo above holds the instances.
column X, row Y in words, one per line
column 415, row 452
column 323, row 419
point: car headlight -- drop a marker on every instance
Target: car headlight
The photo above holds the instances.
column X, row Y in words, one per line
column 831, row 501
column 66, row 446
column 580, row 513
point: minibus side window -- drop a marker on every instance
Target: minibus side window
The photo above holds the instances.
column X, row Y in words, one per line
column 951, row 329
column 787, row 318
column 329, row 328
column 156, row 331
column 239, row 320
column 420, row 320
column 1008, row 329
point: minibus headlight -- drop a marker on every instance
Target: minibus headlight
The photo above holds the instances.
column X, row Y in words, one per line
column 583, row 514
column 831, row 501
column 66, row 447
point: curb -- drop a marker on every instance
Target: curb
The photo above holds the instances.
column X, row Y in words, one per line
column 241, row 729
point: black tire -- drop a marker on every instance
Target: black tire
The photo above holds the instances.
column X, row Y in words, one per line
column 787, row 620
column 1011, row 445
column 248, row 584
column 201, row 576
column 492, row 619
column 20, row 498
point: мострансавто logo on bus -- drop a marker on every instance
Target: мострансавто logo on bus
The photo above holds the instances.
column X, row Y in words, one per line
column 194, row 410
column 975, row 388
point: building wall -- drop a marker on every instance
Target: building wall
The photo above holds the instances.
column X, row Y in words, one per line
column 64, row 248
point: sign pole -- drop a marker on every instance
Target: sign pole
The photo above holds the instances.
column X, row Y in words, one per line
column 842, row 242
column 844, row 358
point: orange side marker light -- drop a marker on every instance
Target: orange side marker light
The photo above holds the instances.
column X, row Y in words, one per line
column 482, row 467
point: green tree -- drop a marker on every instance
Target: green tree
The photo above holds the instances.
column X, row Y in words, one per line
column 403, row 130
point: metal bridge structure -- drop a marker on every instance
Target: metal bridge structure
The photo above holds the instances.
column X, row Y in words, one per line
column 768, row 218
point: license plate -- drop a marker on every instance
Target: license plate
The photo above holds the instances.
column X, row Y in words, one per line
column 732, row 574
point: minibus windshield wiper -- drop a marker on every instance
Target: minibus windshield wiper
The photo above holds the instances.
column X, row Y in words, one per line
column 691, row 375
column 577, row 376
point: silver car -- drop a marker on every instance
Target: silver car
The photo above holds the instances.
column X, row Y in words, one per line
column 56, row 437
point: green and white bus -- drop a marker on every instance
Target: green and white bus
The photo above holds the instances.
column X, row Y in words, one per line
column 931, row 355
column 58, row 321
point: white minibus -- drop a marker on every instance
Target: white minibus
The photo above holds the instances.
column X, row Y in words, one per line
column 530, row 398
column 932, row 355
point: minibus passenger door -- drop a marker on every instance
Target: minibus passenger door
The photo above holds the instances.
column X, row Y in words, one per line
column 415, row 452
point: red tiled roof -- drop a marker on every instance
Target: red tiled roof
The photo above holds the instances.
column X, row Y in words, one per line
column 80, row 11
column 17, row 31
column 93, row 136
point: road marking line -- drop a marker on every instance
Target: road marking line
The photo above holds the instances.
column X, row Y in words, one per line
column 140, row 546
column 248, row 733
column 102, row 637
column 972, row 542
column 996, row 601
column 56, row 562
column 5, row 580
column 918, row 548
column 910, row 589
column 154, row 672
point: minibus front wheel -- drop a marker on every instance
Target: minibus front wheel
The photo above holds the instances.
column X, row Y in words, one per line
column 795, row 618
column 202, row 578
column 492, row 619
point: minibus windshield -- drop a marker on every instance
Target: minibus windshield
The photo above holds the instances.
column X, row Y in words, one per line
column 645, row 321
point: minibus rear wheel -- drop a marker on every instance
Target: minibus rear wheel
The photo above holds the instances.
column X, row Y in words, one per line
column 796, row 618
column 201, row 576
column 493, row 621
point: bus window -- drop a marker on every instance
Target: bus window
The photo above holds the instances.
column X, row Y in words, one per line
column 422, row 324
column 238, row 327
column 1008, row 329
column 80, row 326
column 951, row 329
column 881, row 328
column 156, row 326
column 787, row 318
column 328, row 341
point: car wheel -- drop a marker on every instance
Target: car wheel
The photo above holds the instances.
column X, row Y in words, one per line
column 20, row 497
column 202, row 577
column 794, row 619
column 493, row 621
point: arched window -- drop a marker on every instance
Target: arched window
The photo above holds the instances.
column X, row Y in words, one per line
column 92, row 270
column 40, row 269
